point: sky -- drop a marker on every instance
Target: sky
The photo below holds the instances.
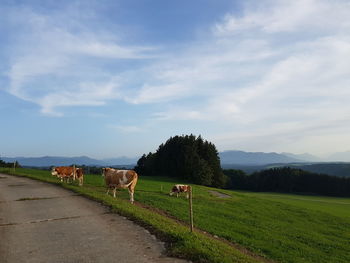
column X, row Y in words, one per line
column 117, row 78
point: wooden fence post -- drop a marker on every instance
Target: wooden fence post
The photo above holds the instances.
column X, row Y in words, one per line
column 74, row 173
column 191, row 210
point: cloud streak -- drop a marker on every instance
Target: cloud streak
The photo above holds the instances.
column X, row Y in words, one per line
column 55, row 66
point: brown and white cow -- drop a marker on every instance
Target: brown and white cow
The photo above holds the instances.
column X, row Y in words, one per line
column 120, row 179
column 180, row 188
column 67, row 172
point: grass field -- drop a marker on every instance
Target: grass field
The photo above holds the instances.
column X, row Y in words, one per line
column 286, row 228
column 280, row 227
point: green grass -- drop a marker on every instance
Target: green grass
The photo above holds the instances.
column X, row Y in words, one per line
column 286, row 228
column 336, row 206
column 180, row 241
column 281, row 227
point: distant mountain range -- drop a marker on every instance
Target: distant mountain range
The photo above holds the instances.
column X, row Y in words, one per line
column 261, row 158
column 257, row 158
column 305, row 157
column 337, row 164
column 228, row 159
column 340, row 157
column 62, row 161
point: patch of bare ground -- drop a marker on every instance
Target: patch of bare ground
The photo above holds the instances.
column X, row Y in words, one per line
column 218, row 194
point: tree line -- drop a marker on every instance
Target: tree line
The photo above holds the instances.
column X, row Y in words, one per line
column 289, row 180
column 9, row 165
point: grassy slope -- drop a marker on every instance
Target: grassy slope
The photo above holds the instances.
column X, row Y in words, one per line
column 281, row 227
column 285, row 228
column 336, row 206
column 181, row 243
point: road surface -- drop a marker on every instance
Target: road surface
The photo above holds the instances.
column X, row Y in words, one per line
column 40, row 222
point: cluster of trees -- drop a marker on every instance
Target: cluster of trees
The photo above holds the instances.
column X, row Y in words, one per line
column 289, row 180
column 12, row 165
column 187, row 157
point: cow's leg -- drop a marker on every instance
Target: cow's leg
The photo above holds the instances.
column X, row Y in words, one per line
column 131, row 193
column 107, row 190
column 187, row 195
column 177, row 194
column 131, row 197
column 114, row 191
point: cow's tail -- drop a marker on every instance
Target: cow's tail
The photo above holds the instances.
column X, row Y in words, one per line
column 127, row 185
column 132, row 181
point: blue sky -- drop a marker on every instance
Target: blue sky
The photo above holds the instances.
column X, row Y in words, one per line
column 118, row 78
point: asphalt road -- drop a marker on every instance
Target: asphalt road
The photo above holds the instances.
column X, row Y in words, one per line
column 40, row 222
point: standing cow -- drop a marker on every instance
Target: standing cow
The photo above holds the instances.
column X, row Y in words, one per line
column 180, row 188
column 67, row 172
column 120, row 179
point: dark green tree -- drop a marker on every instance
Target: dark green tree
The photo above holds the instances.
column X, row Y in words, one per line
column 187, row 157
column 10, row 165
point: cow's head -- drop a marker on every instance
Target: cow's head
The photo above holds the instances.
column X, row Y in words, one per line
column 105, row 170
column 174, row 190
column 54, row 171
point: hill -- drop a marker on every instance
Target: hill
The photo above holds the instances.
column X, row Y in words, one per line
column 304, row 157
column 254, row 158
column 340, row 157
column 336, row 168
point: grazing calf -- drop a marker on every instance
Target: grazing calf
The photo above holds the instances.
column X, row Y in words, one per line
column 180, row 188
column 67, row 172
column 120, row 179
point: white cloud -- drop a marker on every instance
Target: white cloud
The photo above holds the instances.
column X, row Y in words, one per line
column 179, row 114
column 127, row 128
column 55, row 65
column 158, row 93
column 313, row 16
column 88, row 94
